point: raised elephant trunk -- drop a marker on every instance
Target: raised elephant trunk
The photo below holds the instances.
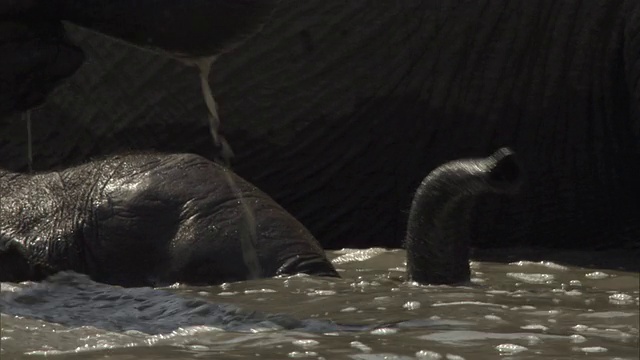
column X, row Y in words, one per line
column 438, row 234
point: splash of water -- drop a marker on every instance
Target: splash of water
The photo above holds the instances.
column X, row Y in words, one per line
column 248, row 232
column 26, row 116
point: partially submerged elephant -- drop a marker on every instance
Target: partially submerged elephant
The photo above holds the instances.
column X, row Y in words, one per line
column 338, row 97
column 157, row 219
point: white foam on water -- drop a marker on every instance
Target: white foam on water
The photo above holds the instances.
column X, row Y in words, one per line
column 411, row 305
column 426, row 354
column 479, row 303
column 384, row 331
column 596, row 275
column 357, row 255
column 457, row 336
column 621, row 299
column 510, row 349
column 302, row 354
column 594, row 349
column 547, row 264
column 534, row 327
column 532, row 278
column 306, row 343
column 576, row 338
column 607, row 314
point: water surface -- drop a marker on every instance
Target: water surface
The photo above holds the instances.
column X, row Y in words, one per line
column 521, row 310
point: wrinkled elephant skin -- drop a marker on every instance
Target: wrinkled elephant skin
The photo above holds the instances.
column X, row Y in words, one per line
column 148, row 220
column 337, row 109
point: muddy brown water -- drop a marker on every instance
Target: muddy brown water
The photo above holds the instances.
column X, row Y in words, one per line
column 518, row 310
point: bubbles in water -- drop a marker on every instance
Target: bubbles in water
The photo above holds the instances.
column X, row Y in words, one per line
column 607, row 314
column 593, row 349
column 479, row 303
column 546, row 264
column 357, row 255
column 596, row 275
column 510, row 348
column 411, row 305
column 532, row 278
column 492, row 317
column 428, row 355
column 302, row 354
column 620, row 299
column 259, row 291
column 534, row 327
column 384, row 331
column 321, row 292
column 306, row 343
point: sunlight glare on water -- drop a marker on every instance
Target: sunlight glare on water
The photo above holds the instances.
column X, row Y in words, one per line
column 544, row 310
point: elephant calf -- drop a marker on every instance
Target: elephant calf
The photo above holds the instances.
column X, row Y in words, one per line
column 147, row 220
column 157, row 219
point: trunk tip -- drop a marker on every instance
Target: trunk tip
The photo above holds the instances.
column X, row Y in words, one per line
column 506, row 172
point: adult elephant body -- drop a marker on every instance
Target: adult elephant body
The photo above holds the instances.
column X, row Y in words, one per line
column 337, row 109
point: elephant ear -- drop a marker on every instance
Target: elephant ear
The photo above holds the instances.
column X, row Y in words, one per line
column 632, row 60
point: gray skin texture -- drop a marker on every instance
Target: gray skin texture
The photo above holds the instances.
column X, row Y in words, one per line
column 153, row 220
column 36, row 57
column 350, row 103
column 36, row 54
column 438, row 235
column 188, row 28
column 146, row 220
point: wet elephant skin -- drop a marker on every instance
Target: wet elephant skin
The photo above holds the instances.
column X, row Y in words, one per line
column 148, row 220
column 337, row 109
